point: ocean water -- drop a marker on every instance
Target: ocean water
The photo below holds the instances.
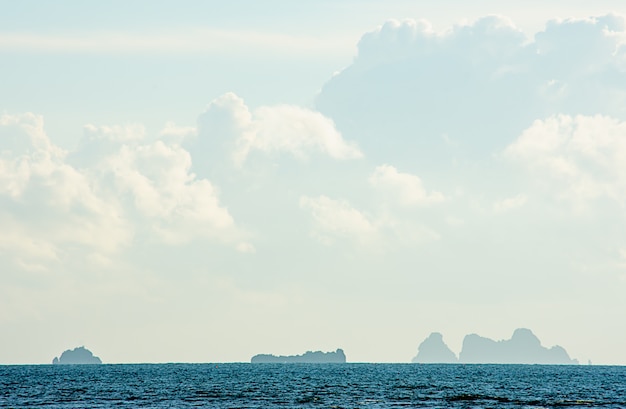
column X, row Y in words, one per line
column 312, row 386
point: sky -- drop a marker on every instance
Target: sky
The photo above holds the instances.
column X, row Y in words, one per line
column 204, row 181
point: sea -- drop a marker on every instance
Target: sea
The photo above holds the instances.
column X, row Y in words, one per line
column 312, row 386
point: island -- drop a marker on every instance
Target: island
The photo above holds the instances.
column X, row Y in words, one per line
column 523, row 348
column 434, row 351
column 319, row 357
column 76, row 356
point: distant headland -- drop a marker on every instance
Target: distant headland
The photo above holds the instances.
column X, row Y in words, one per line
column 337, row 357
column 523, row 348
column 76, row 356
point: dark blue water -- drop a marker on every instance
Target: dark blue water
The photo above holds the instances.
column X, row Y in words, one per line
column 312, row 386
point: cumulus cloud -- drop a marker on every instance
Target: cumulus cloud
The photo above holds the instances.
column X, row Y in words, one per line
column 99, row 197
column 480, row 83
column 119, row 186
column 295, row 130
column 581, row 46
column 337, row 219
column 491, row 42
column 99, row 142
column 486, row 38
column 510, row 203
column 405, row 188
column 177, row 134
column 162, row 189
column 48, row 205
column 154, row 180
column 584, row 157
column 270, row 129
column 24, row 134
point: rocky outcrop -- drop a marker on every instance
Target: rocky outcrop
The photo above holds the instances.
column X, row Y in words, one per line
column 433, row 350
column 523, row 348
column 308, row 357
column 76, row 356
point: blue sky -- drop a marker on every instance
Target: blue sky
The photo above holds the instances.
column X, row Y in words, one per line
column 205, row 182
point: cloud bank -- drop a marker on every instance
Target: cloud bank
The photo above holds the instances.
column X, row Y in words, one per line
column 121, row 188
column 478, row 84
column 439, row 163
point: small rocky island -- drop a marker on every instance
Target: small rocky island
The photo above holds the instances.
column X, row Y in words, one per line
column 434, row 351
column 523, row 348
column 76, row 356
column 319, row 357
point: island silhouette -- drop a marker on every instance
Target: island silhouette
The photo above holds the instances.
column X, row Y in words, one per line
column 523, row 348
column 434, row 351
column 77, row 356
column 337, row 357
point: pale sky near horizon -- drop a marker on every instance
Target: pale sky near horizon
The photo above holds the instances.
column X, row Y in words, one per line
column 204, row 181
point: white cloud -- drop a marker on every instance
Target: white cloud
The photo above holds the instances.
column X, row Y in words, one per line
column 405, row 188
column 272, row 130
column 99, row 142
column 510, row 203
column 335, row 220
column 96, row 200
column 155, row 182
column 157, row 177
column 116, row 134
column 581, row 46
column 175, row 133
column 338, row 219
column 480, row 83
column 47, row 204
column 297, row 130
column 23, row 134
column 589, row 42
column 584, row 157
column 487, row 37
column 244, row 247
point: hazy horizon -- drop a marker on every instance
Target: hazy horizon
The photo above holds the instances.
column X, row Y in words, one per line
column 210, row 182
